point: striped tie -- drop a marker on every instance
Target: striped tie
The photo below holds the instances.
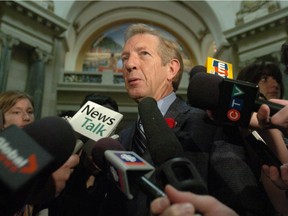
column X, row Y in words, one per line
column 139, row 139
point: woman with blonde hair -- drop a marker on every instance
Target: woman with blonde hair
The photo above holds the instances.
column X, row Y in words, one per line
column 17, row 108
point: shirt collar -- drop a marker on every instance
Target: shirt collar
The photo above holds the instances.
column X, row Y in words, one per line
column 164, row 103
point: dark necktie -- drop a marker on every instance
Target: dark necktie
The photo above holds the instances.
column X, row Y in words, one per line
column 139, row 139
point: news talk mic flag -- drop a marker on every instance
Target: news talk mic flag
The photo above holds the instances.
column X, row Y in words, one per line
column 95, row 121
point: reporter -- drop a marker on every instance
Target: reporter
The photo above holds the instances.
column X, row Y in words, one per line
column 18, row 109
column 187, row 203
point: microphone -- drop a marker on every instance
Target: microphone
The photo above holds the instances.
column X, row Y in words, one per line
column 99, row 149
column 167, row 152
column 161, row 141
column 124, row 168
column 28, row 157
column 233, row 101
column 56, row 136
column 197, row 69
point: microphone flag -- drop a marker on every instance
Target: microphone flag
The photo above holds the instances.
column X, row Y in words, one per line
column 232, row 101
column 95, row 121
column 218, row 67
column 125, row 168
column 21, row 159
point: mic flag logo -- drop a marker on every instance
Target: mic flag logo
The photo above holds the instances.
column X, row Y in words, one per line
column 21, row 158
column 95, row 121
column 13, row 161
column 234, row 114
column 236, row 102
column 130, row 159
column 237, row 91
column 218, row 67
column 32, row 165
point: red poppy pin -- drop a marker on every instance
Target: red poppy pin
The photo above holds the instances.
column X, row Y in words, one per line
column 171, row 122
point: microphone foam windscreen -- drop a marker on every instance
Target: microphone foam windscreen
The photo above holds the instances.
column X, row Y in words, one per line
column 100, row 147
column 203, row 91
column 55, row 135
column 197, row 69
column 161, row 140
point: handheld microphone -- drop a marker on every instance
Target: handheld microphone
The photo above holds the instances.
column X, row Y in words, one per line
column 167, row 152
column 55, row 135
column 125, row 169
column 28, row 158
column 161, row 141
column 197, row 69
column 233, row 101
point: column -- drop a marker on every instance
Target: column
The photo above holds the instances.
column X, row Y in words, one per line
column 36, row 79
column 7, row 42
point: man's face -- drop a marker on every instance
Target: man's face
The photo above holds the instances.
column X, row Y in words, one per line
column 143, row 72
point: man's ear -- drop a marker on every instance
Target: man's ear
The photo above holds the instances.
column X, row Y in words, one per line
column 174, row 67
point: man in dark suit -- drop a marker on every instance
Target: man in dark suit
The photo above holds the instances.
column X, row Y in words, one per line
column 153, row 67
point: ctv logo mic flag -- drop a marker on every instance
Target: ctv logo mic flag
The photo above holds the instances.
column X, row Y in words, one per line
column 218, row 67
column 95, row 121
column 21, row 158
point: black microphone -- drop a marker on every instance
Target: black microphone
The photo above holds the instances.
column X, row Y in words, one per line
column 233, row 101
column 197, row 69
column 28, row 158
column 56, row 136
column 161, row 141
column 99, row 148
column 125, row 169
column 167, row 152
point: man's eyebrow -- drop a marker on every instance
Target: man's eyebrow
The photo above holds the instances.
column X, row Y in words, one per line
column 124, row 53
column 140, row 48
